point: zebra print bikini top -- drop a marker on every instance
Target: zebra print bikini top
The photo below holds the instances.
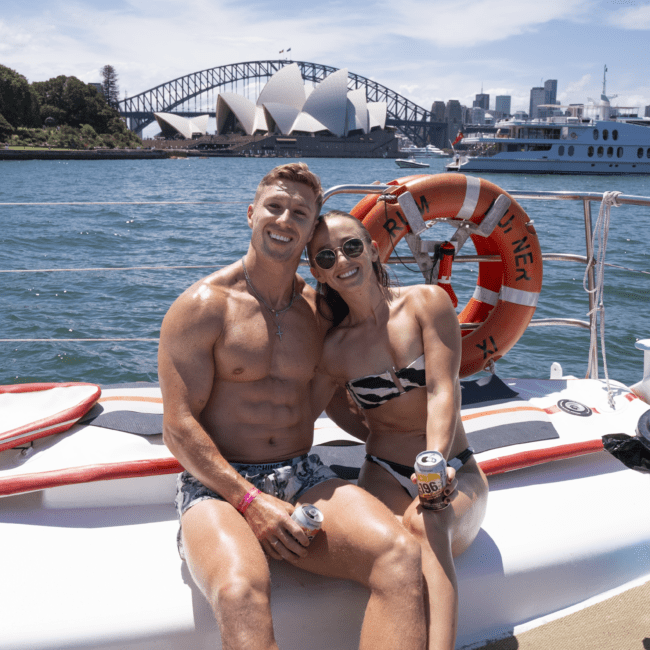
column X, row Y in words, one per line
column 372, row 391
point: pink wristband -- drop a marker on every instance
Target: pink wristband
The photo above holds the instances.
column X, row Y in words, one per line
column 248, row 498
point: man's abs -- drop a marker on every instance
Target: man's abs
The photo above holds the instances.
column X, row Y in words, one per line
column 261, row 421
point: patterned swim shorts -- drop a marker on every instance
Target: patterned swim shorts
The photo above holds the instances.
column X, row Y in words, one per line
column 287, row 480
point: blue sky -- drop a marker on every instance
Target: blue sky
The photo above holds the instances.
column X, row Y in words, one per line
column 425, row 50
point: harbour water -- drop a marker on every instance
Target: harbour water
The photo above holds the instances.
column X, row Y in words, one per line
column 204, row 226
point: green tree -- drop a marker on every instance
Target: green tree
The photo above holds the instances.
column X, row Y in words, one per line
column 18, row 103
column 109, row 85
column 70, row 101
column 5, row 129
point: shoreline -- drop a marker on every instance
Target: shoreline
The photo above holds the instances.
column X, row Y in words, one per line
column 77, row 154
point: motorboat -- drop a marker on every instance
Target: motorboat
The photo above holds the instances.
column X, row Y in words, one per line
column 590, row 139
column 410, row 162
column 89, row 528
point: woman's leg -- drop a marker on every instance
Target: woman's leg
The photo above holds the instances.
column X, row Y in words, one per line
column 443, row 535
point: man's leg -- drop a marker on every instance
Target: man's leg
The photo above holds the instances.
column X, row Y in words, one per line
column 230, row 568
column 363, row 541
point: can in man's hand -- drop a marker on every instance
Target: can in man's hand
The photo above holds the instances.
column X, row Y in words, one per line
column 431, row 472
column 309, row 518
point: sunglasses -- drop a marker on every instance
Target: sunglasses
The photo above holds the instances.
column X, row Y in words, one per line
column 327, row 257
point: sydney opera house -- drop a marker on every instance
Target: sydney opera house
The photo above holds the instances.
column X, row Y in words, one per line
column 287, row 107
column 318, row 120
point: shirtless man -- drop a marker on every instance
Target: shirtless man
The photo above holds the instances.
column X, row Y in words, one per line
column 238, row 351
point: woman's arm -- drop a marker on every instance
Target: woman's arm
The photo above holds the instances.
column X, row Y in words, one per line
column 442, row 352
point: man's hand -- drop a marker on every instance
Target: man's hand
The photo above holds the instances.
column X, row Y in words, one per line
column 280, row 536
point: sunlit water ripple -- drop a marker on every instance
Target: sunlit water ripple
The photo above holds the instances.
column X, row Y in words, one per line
column 131, row 304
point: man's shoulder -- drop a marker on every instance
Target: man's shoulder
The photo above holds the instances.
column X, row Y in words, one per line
column 319, row 308
column 206, row 299
column 212, row 288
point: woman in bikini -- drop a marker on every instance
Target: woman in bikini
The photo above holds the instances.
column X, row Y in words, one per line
column 397, row 352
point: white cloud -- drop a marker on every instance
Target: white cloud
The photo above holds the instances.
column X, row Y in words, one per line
column 472, row 22
column 632, row 17
column 426, row 49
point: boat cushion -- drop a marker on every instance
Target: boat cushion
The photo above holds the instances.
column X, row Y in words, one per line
column 33, row 411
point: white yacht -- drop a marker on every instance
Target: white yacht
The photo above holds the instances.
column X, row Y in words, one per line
column 593, row 139
column 430, row 151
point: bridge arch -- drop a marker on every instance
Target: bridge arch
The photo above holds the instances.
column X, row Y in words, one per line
column 178, row 94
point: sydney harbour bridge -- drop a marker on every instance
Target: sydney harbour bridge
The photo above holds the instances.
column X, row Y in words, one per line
column 196, row 94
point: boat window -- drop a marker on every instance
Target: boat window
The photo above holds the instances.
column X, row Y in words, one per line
column 601, row 151
column 615, row 134
column 595, row 134
column 647, row 153
column 619, row 152
column 560, row 150
column 590, row 152
column 639, row 152
column 571, row 150
column 605, row 134
column 610, row 152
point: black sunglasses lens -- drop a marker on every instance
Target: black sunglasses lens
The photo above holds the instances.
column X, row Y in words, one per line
column 325, row 259
column 353, row 247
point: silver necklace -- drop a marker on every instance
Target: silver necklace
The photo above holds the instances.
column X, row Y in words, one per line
column 274, row 312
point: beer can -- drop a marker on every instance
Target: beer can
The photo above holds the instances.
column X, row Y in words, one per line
column 309, row 518
column 431, row 473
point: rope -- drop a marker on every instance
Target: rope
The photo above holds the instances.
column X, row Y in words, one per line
column 126, row 203
column 601, row 233
column 115, row 268
column 69, row 340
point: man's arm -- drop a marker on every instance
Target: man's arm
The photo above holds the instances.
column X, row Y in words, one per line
column 327, row 395
column 186, row 370
column 346, row 414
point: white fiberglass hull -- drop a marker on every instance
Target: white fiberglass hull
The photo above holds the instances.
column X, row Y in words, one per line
column 95, row 564
column 110, row 577
column 508, row 164
column 400, row 162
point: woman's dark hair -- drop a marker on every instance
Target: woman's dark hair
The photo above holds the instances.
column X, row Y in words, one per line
column 329, row 303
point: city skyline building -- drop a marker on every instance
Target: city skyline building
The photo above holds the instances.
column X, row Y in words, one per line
column 482, row 100
column 454, row 118
column 503, row 104
column 537, row 97
column 550, row 91
column 438, row 111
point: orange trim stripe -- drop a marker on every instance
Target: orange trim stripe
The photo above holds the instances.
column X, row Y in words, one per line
column 471, row 416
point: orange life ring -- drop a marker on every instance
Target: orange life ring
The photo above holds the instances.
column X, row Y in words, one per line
column 506, row 292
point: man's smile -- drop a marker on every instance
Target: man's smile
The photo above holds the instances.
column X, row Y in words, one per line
column 279, row 237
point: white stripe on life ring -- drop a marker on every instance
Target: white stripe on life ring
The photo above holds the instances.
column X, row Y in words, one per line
column 519, row 296
column 472, row 192
column 485, row 295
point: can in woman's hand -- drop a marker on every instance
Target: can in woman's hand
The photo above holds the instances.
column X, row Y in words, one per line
column 431, row 472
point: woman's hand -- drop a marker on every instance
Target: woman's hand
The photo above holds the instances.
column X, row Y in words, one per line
column 452, row 483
